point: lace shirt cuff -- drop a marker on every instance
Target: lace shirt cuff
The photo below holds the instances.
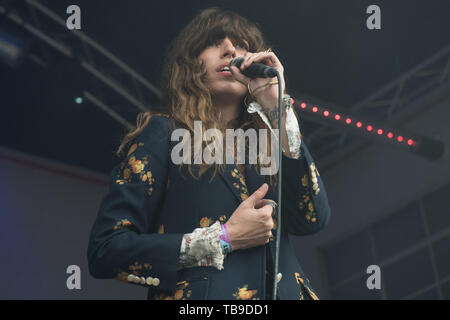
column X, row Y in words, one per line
column 293, row 131
column 201, row 248
column 292, row 126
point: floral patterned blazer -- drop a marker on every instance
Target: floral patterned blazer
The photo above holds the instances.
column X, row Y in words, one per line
column 150, row 206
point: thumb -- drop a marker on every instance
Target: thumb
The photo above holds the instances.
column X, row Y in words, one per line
column 257, row 195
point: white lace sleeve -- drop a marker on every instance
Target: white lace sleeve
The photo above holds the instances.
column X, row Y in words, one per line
column 201, row 248
column 292, row 126
column 293, row 131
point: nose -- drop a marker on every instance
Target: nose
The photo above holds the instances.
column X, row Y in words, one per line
column 229, row 48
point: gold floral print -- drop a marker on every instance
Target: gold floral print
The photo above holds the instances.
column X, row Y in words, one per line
column 305, row 181
column 138, row 266
column 147, row 176
column 136, row 167
column 122, row 276
column 122, row 224
column 314, row 175
column 223, row 219
column 134, row 147
column 205, row 222
column 235, row 173
column 240, row 183
column 245, row 294
column 302, row 297
column 301, row 283
column 126, row 173
column 314, row 169
column 180, row 292
column 311, row 215
column 307, row 203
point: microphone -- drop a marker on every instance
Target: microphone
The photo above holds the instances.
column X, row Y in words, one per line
column 255, row 70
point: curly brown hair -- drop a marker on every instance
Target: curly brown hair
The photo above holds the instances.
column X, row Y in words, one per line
column 186, row 96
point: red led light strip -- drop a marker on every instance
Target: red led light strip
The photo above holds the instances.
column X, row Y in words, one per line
column 390, row 136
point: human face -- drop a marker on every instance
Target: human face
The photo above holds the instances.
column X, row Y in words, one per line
column 215, row 57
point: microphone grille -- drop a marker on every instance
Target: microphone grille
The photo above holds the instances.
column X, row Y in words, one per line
column 237, row 62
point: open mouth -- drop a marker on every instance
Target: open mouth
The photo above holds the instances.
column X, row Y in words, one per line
column 225, row 71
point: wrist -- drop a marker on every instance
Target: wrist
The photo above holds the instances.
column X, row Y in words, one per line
column 224, row 239
column 230, row 230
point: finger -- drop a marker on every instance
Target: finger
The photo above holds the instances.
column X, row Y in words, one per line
column 247, row 57
column 257, row 195
column 247, row 62
column 268, row 57
column 273, row 58
column 266, row 210
column 260, row 203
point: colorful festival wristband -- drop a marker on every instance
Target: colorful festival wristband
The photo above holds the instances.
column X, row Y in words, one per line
column 225, row 241
column 226, row 247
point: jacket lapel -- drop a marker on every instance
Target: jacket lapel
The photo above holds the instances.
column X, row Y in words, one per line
column 243, row 186
column 235, row 180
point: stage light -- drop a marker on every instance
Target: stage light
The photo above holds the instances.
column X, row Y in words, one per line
column 78, row 100
column 315, row 109
column 348, row 121
column 12, row 49
column 410, row 142
column 359, row 124
column 303, row 105
column 380, row 132
column 390, row 135
column 369, row 128
column 399, row 138
column 337, row 117
column 326, row 113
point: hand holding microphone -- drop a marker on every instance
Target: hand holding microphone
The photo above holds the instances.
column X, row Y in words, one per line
column 256, row 71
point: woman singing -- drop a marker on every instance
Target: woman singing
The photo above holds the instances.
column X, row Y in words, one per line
column 202, row 229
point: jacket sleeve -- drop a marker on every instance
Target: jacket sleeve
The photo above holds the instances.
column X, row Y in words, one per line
column 124, row 243
column 304, row 200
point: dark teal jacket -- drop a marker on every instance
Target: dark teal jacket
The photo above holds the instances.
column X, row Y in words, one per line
column 150, row 205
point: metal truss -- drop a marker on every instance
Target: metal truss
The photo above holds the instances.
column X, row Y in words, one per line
column 385, row 106
column 132, row 90
column 107, row 72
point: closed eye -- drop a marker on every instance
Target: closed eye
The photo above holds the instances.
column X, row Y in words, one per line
column 244, row 45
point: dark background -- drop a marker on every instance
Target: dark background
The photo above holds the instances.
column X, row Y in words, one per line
column 390, row 207
column 325, row 47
